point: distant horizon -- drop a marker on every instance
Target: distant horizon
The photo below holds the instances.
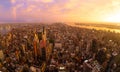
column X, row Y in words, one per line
column 61, row 22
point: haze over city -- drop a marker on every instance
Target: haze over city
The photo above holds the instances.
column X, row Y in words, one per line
column 59, row 35
column 60, row 11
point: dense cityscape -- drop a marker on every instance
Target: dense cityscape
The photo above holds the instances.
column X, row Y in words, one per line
column 58, row 48
column 59, row 35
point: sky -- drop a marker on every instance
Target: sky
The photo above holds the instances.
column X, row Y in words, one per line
column 59, row 10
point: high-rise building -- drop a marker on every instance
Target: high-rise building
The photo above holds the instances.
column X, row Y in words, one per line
column 1, row 55
column 42, row 47
column 35, row 45
column 43, row 44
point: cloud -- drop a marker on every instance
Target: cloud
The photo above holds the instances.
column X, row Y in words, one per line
column 15, row 10
column 72, row 4
column 13, row 1
column 39, row 1
column 0, row 7
column 14, row 13
column 46, row 1
column 30, row 8
column 61, row 10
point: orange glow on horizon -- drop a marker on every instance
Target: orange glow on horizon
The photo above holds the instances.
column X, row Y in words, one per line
column 115, row 18
column 60, row 11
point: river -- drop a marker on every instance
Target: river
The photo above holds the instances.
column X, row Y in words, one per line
column 93, row 27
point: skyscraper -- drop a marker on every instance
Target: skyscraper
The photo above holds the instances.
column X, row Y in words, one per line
column 43, row 44
column 35, row 45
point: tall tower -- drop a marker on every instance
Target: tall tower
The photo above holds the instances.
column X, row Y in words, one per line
column 43, row 44
column 44, row 35
column 35, row 45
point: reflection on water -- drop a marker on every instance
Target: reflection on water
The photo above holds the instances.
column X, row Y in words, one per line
column 97, row 28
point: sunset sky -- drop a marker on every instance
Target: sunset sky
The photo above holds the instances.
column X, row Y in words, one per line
column 59, row 10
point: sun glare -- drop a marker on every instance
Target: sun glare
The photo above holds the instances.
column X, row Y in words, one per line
column 113, row 18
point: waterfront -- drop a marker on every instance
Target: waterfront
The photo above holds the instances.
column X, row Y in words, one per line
column 95, row 27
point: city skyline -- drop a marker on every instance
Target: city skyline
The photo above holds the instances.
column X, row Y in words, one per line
column 59, row 11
